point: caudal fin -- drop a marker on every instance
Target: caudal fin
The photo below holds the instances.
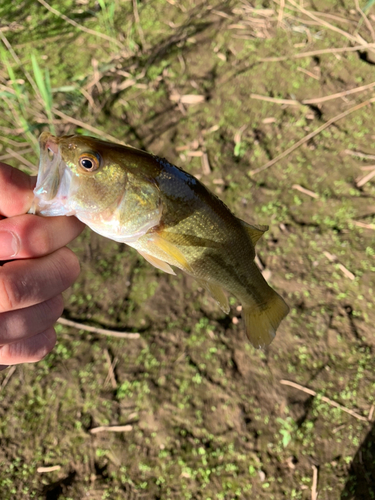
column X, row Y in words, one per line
column 262, row 322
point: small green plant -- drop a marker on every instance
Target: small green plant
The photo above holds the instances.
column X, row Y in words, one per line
column 287, row 429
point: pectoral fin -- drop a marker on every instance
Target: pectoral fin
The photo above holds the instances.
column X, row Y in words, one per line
column 217, row 293
column 255, row 232
column 159, row 264
column 175, row 255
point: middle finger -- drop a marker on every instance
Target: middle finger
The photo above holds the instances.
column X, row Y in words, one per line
column 24, row 283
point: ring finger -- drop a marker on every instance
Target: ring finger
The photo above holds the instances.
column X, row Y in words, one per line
column 29, row 350
column 27, row 322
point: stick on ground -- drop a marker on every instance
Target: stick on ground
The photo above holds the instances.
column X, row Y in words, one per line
column 318, row 52
column 323, row 398
column 79, row 26
column 319, row 100
column 314, row 486
column 101, row 331
column 112, row 428
column 311, row 135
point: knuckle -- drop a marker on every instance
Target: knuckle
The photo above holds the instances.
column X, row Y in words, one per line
column 34, row 235
column 55, row 308
column 68, row 266
column 49, row 341
column 42, row 243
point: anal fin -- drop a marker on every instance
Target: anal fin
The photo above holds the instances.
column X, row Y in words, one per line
column 217, row 293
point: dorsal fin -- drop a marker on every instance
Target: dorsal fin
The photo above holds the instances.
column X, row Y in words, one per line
column 254, row 231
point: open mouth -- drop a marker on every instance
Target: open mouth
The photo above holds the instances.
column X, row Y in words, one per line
column 53, row 181
column 49, row 172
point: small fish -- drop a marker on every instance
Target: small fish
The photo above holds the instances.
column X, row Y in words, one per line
column 167, row 215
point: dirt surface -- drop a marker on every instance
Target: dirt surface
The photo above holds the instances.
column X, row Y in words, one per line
column 206, row 415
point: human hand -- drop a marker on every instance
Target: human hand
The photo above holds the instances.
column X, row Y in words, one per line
column 40, row 269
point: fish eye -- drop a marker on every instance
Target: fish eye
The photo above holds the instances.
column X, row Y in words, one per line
column 89, row 162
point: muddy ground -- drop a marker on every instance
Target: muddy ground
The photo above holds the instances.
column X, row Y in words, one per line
column 206, row 415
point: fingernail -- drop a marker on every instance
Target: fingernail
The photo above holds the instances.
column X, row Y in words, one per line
column 9, row 245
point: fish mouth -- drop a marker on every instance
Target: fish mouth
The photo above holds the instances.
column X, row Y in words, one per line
column 51, row 192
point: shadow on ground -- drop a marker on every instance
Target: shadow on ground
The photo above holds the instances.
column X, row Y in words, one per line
column 361, row 480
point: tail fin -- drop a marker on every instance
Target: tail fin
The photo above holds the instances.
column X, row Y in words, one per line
column 262, row 322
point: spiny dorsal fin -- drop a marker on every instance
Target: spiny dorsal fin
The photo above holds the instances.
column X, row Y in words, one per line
column 254, row 231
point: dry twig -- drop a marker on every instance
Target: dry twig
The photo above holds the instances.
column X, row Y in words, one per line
column 79, row 26
column 281, row 12
column 206, row 168
column 11, row 155
column 333, row 258
column 90, row 128
column 344, row 93
column 311, row 135
column 312, row 53
column 101, row 331
column 371, row 413
column 52, row 468
column 305, row 191
column 325, row 23
column 359, row 154
column 362, row 180
column 187, row 98
column 18, row 61
column 309, row 73
column 138, row 24
column 11, row 370
column 365, row 18
column 23, row 160
column 276, row 100
column 111, row 428
column 111, row 373
column 314, row 486
column 14, row 143
column 323, row 398
column 363, row 224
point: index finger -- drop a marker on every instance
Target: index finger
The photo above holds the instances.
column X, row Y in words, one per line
column 16, row 190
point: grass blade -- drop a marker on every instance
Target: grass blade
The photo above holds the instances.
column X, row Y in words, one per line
column 44, row 86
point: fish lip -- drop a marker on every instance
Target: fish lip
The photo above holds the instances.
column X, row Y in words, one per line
column 48, row 141
column 52, row 146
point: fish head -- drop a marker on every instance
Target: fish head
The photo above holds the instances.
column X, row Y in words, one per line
column 77, row 175
column 99, row 182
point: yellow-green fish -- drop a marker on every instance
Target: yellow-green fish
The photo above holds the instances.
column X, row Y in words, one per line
column 167, row 215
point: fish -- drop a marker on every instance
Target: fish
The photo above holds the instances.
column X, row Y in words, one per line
column 166, row 214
